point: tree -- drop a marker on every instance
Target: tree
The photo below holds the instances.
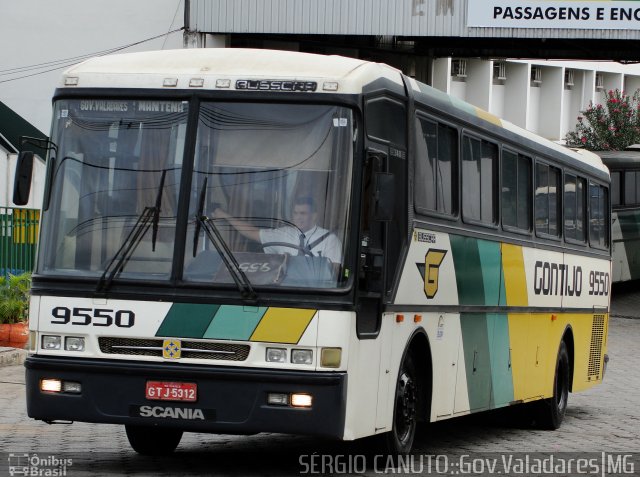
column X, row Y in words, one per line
column 612, row 126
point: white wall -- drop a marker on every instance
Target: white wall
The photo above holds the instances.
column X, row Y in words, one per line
column 34, row 32
column 517, row 94
column 498, row 93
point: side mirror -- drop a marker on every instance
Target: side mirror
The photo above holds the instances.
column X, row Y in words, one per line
column 385, row 196
column 22, row 181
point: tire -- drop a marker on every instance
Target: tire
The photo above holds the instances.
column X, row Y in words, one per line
column 153, row 440
column 400, row 439
column 550, row 412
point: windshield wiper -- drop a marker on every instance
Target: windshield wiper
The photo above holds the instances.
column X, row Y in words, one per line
column 242, row 282
column 156, row 212
column 149, row 216
column 199, row 217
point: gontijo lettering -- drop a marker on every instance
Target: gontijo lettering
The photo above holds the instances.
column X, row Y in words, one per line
column 557, row 279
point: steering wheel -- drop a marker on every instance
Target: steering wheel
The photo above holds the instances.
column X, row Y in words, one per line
column 304, row 251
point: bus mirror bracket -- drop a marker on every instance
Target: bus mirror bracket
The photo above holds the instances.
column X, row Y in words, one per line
column 22, row 180
column 385, row 193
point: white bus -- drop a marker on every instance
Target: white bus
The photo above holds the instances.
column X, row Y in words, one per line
column 238, row 241
column 625, row 212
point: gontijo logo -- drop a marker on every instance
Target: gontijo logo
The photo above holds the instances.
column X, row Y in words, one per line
column 430, row 270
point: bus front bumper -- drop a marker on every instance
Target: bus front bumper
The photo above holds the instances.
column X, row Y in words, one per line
column 230, row 400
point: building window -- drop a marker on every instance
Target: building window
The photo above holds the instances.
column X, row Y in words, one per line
column 575, row 190
column 479, row 170
column 516, row 190
column 436, row 163
column 547, row 187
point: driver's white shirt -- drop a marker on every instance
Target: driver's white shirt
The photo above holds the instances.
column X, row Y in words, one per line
column 330, row 247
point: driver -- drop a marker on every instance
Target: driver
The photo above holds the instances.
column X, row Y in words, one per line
column 303, row 237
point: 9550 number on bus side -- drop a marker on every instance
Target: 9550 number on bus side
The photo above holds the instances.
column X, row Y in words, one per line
column 61, row 315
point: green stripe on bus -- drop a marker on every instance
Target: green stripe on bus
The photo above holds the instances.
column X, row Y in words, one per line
column 186, row 320
column 466, row 260
column 491, row 266
column 501, row 378
column 475, row 343
column 235, row 322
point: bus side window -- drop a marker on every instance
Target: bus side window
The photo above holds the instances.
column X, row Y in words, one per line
column 615, row 189
column 436, row 165
column 574, row 207
column 385, row 121
column 631, row 192
column 598, row 216
column 479, row 178
column 516, row 190
column 547, row 203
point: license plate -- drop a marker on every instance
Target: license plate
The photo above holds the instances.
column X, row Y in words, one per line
column 171, row 391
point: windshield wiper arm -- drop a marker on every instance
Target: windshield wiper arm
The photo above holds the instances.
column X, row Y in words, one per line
column 126, row 249
column 149, row 216
column 238, row 276
column 199, row 217
column 156, row 212
column 210, row 228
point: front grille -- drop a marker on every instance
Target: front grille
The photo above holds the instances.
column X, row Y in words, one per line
column 189, row 349
column 595, row 350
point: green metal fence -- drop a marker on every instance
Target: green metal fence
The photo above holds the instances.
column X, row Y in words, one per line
column 18, row 239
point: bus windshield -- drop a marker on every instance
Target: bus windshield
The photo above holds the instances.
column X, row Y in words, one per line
column 271, row 182
column 269, row 193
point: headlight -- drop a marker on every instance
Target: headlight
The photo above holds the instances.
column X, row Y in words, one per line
column 51, row 342
column 74, row 343
column 276, row 355
column 301, row 356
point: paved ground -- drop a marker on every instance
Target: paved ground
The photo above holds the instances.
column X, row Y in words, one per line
column 625, row 300
column 604, row 419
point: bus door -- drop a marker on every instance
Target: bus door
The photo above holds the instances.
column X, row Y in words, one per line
column 383, row 228
column 382, row 231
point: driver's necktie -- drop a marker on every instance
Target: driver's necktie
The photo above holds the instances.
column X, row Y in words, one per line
column 301, row 249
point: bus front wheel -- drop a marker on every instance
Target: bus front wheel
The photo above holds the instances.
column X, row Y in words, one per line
column 153, row 440
column 400, row 439
column 551, row 411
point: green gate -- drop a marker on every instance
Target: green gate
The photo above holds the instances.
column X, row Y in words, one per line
column 18, row 239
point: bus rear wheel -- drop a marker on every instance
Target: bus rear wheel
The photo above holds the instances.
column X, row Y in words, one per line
column 153, row 440
column 551, row 411
column 400, row 439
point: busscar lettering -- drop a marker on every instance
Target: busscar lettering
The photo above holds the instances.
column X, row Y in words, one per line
column 557, row 279
column 277, row 85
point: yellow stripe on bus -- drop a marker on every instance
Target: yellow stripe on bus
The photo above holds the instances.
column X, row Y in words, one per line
column 487, row 116
column 515, row 281
column 519, row 354
column 283, row 325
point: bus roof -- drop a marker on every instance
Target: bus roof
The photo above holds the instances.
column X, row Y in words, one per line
column 629, row 159
column 151, row 69
column 202, row 68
